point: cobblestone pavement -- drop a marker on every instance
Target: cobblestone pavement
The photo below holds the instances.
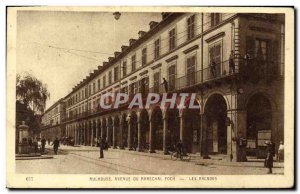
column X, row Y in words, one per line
column 85, row 160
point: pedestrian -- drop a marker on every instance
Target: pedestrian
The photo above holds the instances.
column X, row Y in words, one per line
column 165, row 83
column 55, row 144
column 43, row 143
column 179, row 146
column 101, row 146
column 269, row 158
column 231, row 62
column 280, row 154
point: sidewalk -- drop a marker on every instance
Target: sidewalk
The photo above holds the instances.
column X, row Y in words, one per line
column 218, row 160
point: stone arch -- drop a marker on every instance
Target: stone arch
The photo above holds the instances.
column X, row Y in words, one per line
column 145, row 129
column 214, row 93
column 157, row 127
column 262, row 92
column 173, row 129
column 124, row 126
column 215, row 132
column 117, row 131
column 104, row 129
column 109, row 131
column 259, row 121
column 191, row 127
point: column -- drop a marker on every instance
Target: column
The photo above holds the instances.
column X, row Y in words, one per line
column 237, row 130
column 102, row 129
column 114, row 133
column 97, row 129
column 92, row 133
column 139, row 147
column 151, row 146
column 182, row 126
column 84, row 134
column 75, row 134
column 121, row 132
column 107, row 132
column 79, row 134
column 66, row 134
column 129, row 134
column 165, row 135
column 88, row 133
column 203, row 137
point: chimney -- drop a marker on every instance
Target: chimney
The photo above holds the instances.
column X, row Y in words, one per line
column 99, row 67
column 117, row 53
column 152, row 24
column 110, row 59
column 105, row 63
column 131, row 41
column 141, row 34
column 123, row 48
column 165, row 15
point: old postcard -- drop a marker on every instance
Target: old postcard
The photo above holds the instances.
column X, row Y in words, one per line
column 150, row 97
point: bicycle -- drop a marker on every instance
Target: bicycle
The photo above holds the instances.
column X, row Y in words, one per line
column 183, row 156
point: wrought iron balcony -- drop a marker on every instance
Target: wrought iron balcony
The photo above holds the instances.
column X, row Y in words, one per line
column 253, row 69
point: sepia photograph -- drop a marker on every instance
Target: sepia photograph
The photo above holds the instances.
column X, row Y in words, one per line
column 150, row 97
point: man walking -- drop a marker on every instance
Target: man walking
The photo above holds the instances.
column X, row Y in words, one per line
column 101, row 146
column 43, row 142
column 269, row 159
column 55, row 145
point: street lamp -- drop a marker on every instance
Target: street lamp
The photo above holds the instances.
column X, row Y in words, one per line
column 117, row 15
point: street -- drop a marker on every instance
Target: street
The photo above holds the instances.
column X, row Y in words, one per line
column 85, row 160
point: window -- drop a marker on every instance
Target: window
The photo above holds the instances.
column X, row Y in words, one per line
column 144, row 56
column 261, row 53
column 172, row 76
column 98, row 84
column 124, row 67
column 132, row 90
column 144, row 86
column 215, row 60
column 156, row 48
column 79, row 97
column 116, row 74
column 133, row 63
column 104, row 81
column 191, row 27
column 156, row 80
column 90, row 89
column 109, row 78
column 191, row 70
column 215, row 19
column 94, row 87
column 86, row 92
column 172, row 39
column 215, row 54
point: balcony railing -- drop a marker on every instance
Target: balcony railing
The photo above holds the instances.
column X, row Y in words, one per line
column 257, row 68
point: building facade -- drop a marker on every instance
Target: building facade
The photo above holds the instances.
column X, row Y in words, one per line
column 53, row 121
column 233, row 62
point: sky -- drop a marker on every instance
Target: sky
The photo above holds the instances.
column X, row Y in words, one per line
column 48, row 44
